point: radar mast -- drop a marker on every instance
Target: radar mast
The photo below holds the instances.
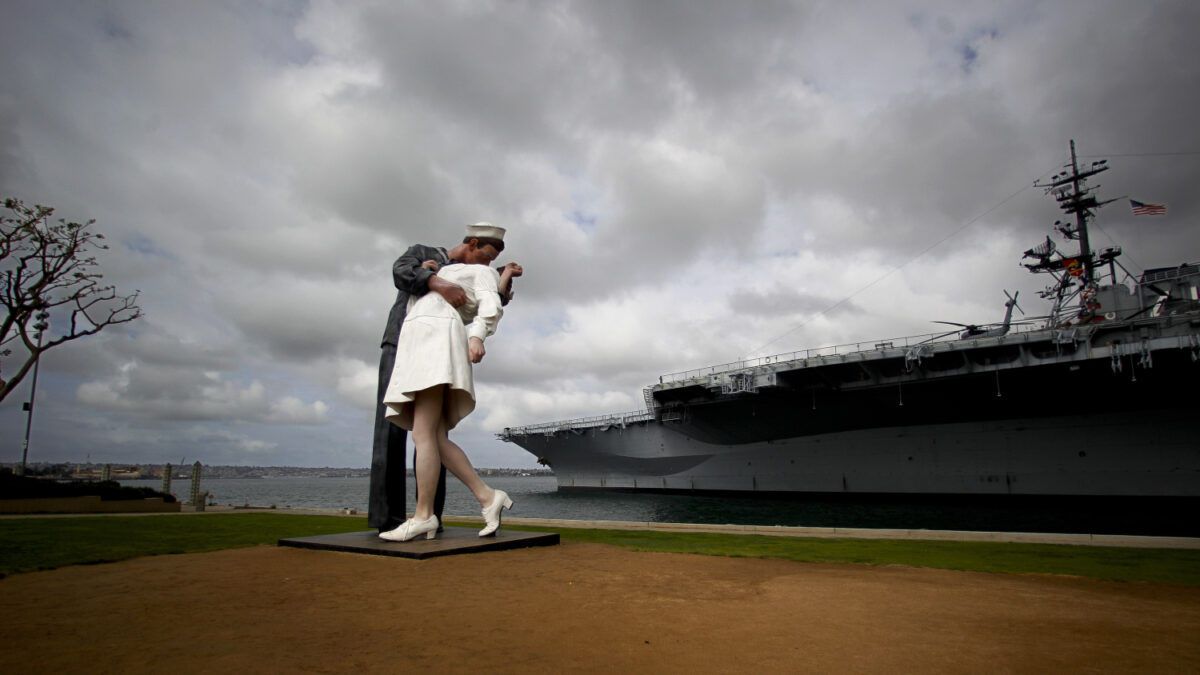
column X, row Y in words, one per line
column 1075, row 275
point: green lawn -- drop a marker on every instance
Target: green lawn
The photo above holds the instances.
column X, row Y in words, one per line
column 45, row 543
column 28, row 544
column 1176, row 566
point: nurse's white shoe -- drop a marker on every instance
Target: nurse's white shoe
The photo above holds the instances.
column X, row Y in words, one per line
column 491, row 513
column 411, row 529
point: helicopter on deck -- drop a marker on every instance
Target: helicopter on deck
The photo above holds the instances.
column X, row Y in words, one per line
column 986, row 330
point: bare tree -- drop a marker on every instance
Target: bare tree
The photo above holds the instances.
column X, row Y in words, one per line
column 47, row 267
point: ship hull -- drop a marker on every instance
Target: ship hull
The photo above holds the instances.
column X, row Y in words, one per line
column 1028, row 456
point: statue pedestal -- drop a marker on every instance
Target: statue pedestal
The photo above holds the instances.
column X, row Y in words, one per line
column 453, row 541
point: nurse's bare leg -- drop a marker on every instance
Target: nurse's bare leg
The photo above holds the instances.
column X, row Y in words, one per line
column 427, row 425
column 492, row 501
column 456, row 461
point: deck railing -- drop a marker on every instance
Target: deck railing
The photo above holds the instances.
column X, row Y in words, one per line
column 580, row 423
column 834, row 350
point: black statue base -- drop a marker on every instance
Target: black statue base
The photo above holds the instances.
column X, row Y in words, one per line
column 453, row 541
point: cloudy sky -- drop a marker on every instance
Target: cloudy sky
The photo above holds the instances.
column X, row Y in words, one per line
column 686, row 183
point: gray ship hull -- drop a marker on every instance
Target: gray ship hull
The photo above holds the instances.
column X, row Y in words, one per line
column 1030, row 456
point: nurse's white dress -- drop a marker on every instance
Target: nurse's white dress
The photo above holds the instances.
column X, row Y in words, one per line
column 433, row 345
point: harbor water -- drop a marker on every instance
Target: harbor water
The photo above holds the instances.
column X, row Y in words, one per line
column 538, row 497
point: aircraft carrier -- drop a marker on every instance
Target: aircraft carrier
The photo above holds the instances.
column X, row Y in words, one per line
column 1095, row 399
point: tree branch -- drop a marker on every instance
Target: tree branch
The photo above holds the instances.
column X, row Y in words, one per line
column 46, row 268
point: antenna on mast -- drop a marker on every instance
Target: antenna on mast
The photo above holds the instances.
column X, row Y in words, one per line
column 1074, row 197
column 1074, row 274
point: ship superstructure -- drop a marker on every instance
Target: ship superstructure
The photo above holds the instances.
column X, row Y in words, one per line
column 1098, row 398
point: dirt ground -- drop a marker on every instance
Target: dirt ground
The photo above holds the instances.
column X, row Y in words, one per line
column 579, row 607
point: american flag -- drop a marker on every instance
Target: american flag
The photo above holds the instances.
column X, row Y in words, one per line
column 1140, row 209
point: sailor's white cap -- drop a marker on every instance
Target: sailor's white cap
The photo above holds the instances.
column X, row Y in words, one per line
column 485, row 231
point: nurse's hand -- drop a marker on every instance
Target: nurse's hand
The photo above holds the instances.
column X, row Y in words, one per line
column 476, row 349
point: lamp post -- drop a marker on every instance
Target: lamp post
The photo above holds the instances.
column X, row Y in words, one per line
column 43, row 322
